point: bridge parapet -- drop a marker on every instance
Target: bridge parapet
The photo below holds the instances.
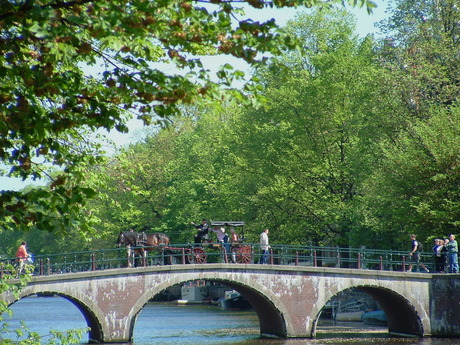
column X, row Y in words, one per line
column 310, row 256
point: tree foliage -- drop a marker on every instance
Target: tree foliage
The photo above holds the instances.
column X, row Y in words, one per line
column 71, row 68
column 355, row 143
column 421, row 55
column 423, row 44
column 340, row 154
column 295, row 164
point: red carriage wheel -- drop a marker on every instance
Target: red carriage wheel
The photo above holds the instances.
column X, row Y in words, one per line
column 197, row 255
column 243, row 254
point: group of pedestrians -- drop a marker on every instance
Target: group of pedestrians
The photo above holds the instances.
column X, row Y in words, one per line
column 444, row 251
column 444, row 254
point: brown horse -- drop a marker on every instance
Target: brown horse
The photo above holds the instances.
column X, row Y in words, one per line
column 139, row 244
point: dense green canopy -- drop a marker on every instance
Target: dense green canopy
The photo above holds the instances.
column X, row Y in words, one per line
column 334, row 139
column 50, row 105
column 340, row 154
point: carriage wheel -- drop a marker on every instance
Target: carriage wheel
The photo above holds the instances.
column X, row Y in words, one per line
column 197, row 255
column 243, row 254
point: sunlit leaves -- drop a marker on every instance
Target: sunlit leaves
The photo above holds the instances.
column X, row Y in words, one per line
column 70, row 68
column 420, row 177
column 295, row 164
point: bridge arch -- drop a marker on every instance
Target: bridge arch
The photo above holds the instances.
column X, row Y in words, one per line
column 403, row 315
column 88, row 309
column 271, row 312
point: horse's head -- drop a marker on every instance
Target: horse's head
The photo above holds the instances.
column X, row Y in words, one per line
column 127, row 238
column 121, row 239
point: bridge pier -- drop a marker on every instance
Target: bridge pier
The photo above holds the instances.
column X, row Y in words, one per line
column 445, row 305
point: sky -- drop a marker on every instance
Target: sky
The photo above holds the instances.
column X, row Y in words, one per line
column 365, row 25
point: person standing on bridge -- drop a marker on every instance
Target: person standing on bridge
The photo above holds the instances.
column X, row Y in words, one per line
column 222, row 238
column 21, row 256
column 439, row 258
column 234, row 241
column 415, row 254
column 264, row 247
column 452, row 256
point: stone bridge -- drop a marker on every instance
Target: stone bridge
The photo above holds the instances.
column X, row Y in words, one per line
column 287, row 299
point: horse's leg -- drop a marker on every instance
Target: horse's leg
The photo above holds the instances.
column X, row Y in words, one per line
column 167, row 256
column 141, row 258
column 162, row 257
column 145, row 257
column 130, row 255
column 136, row 258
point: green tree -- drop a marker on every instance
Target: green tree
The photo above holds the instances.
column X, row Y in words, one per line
column 409, row 188
column 136, row 186
column 297, row 165
column 50, row 102
column 309, row 150
column 177, row 175
column 342, row 153
column 422, row 45
column 416, row 188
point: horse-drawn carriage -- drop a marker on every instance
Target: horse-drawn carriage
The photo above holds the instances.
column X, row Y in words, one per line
column 139, row 244
column 235, row 250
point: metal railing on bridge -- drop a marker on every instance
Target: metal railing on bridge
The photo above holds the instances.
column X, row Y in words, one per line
column 246, row 253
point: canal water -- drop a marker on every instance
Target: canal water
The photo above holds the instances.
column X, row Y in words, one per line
column 165, row 323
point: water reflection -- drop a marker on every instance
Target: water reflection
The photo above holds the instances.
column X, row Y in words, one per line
column 167, row 324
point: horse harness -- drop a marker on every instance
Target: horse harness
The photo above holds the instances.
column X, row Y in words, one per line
column 136, row 239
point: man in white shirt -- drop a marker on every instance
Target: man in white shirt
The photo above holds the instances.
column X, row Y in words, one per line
column 264, row 247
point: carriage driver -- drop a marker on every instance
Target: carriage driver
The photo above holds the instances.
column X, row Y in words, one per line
column 203, row 230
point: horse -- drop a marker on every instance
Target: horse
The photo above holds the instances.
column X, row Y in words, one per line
column 139, row 243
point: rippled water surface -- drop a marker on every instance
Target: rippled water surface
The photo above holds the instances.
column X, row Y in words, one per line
column 168, row 323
